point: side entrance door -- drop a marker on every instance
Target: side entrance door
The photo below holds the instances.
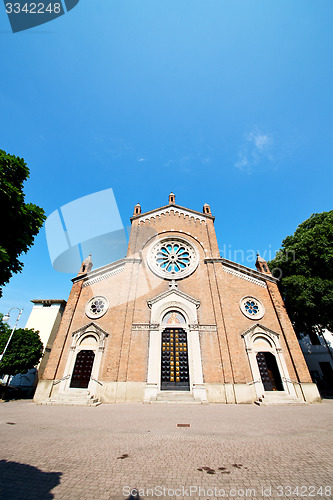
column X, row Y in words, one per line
column 82, row 369
column 269, row 371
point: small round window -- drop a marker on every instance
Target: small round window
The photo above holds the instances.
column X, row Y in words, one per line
column 252, row 307
column 97, row 307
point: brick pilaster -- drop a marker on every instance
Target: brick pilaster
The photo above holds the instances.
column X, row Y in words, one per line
column 295, row 352
column 51, row 368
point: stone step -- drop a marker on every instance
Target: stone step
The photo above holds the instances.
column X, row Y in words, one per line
column 74, row 398
column 278, row 398
column 175, row 397
column 56, row 402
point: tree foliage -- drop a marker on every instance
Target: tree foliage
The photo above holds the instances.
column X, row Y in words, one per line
column 24, row 351
column 20, row 221
column 304, row 265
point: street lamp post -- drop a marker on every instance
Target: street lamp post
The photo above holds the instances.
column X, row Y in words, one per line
column 6, row 318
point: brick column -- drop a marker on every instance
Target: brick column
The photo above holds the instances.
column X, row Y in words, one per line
column 128, row 320
column 51, row 368
column 227, row 373
column 295, row 352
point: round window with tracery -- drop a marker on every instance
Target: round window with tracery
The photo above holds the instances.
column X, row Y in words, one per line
column 252, row 308
column 172, row 258
column 96, row 307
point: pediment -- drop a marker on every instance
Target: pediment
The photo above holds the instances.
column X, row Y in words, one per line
column 263, row 328
column 177, row 210
column 172, row 295
column 91, row 327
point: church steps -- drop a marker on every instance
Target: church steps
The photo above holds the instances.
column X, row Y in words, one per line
column 277, row 398
column 175, row 397
column 75, row 398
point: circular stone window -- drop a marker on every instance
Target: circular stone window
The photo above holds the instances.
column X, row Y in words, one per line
column 172, row 258
column 96, row 307
column 252, row 308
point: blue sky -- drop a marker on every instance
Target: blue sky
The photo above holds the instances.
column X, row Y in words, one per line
column 220, row 101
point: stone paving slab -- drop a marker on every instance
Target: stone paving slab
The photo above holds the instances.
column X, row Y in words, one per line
column 102, row 453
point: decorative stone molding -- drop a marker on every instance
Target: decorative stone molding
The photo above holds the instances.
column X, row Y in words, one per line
column 263, row 328
column 172, row 291
column 208, row 328
column 90, row 328
column 168, row 210
column 145, row 326
column 103, row 277
column 140, row 326
column 246, row 277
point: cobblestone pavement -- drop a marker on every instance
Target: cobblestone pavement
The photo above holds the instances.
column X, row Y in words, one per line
column 228, row 451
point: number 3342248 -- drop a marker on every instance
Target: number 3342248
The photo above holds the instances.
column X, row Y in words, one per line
column 33, row 8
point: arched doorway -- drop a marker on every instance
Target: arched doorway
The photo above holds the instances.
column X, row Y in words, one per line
column 82, row 369
column 88, row 338
column 269, row 371
column 174, row 354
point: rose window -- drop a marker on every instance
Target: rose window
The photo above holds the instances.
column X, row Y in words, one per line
column 252, row 308
column 172, row 258
column 96, row 307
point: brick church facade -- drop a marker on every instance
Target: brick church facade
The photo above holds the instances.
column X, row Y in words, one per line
column 173, row 320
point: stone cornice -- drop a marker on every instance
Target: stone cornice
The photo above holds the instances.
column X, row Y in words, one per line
column 176, row 208
column 48, row 302
column 243, row 269
column 101, row 271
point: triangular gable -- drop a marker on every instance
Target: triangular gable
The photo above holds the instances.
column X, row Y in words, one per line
column 262, row 327
column 93, row 327
column 173, row 291
column 176, row 209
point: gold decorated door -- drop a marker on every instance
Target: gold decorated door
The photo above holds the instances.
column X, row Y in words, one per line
column 174, row 360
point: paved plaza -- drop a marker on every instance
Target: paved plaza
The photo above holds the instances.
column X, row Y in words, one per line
column 228, row 451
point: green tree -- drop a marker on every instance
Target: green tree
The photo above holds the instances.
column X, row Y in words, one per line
column 304, row 265
column 20, row 221
column 24, row 351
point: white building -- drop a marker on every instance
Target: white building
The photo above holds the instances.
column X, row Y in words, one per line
column 318, row 354
column 44, row 317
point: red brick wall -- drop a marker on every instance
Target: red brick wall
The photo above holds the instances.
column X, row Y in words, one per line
column 224, row 358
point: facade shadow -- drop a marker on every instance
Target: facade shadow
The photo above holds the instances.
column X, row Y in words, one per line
column 21, row 481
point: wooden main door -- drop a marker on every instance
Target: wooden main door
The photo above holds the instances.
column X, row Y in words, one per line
column 174, row 360
column 82, row 369
column 269, row 371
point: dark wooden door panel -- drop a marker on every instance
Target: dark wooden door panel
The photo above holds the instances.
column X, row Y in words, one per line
column 82, row 369
column 269, row 371
column 264, row 373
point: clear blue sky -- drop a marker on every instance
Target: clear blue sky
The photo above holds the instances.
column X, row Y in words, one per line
column 220, row 101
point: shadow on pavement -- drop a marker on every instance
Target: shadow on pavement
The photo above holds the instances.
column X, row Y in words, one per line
column 21, row 481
